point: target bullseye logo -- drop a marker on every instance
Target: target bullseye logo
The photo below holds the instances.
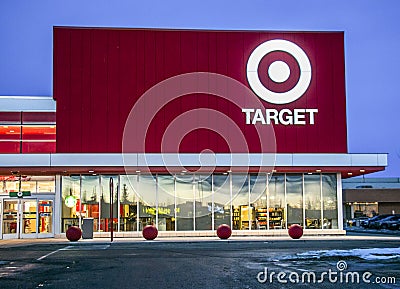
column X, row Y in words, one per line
column 279, row 71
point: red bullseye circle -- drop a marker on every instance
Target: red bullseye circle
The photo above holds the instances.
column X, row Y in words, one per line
column 150, row 232
column 224, row 231
column 295, row 231
column 73, row 233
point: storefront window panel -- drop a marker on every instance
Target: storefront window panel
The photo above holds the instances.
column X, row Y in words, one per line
column 203, row 201
column 258, row 201
column 128, row 203
column 70, row 215
column 276, row 195
column 12, row 185
column 90, row 199
column 329, row 197
column 147, row 189
column 184, row 203
column 28, row 186
column 222, row 197
column 38, row 138
column 166, row 203
column 10, row 136
column 294, row 199
column 243, row 214
column 46, row 184
column 105, row 224
column 312, row 201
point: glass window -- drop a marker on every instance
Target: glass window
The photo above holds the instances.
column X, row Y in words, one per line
column 329, row 196
column 166, row 203
column 90, row 199
column 276, row 210
column 222, row 200
column 12, row 185
column 294, row 199
column 105, row 210
column 45, row 216
column 46, row 186
column 184, row 202
column 242, row 213
column 312, row 201
column 147, row 204
column 128, row 203
column 39, row 132
column 203, row 201
column 258, row 201
column 10, row 132
column 70, row 215
column 28, row 186
column 10, row 138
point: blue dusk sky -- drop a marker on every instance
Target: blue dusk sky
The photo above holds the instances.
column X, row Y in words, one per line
column 372, row 47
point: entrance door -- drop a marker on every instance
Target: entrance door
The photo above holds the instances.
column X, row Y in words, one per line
column 27, row 218
column 45, row 225
column 10, row 226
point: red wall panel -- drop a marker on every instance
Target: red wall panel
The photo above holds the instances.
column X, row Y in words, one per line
column 99, row 75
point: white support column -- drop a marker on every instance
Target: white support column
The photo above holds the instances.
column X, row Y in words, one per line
column 212, row 203
column 340, row 201
column 57, row 206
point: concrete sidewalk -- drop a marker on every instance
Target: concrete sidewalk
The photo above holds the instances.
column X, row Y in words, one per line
column 63, row 241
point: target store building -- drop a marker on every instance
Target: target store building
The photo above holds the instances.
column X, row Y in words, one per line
column 195, row 128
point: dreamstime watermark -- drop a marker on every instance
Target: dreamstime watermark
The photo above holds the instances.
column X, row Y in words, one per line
column 338, row 276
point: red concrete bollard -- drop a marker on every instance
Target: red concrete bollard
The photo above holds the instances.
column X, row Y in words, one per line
column 150, row 232
column 295, row 231
column 73, row 233
column 224, row 231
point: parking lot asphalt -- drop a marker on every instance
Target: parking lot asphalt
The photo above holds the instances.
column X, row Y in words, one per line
column 196, row 262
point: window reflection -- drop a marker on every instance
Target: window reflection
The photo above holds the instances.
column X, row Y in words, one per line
column 147, row 188
column 222, row 197
column 276, row 210
column 90, row 199
column 258, row 201
column 242, row 213
column 166, row 203
column 105, row 210
column 329, row 195
column 312, row 201
column 128, row 203
column 184, row 203
column 294, row 199
column 203, row 201
column 70, row 202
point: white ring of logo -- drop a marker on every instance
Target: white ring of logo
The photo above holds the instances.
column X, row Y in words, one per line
column 278, row 97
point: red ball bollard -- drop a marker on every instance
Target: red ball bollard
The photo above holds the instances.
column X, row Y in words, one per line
column 224, row 231
column 73, row 233
column 150, row 232
column 295, row 231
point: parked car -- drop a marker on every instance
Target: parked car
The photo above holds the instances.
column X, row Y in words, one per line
column 382, row 223
column 366, row 223
column 392, row 223
column 395, row 225
column 357, row 221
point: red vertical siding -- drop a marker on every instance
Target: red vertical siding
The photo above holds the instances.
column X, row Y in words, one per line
column 99, row 74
